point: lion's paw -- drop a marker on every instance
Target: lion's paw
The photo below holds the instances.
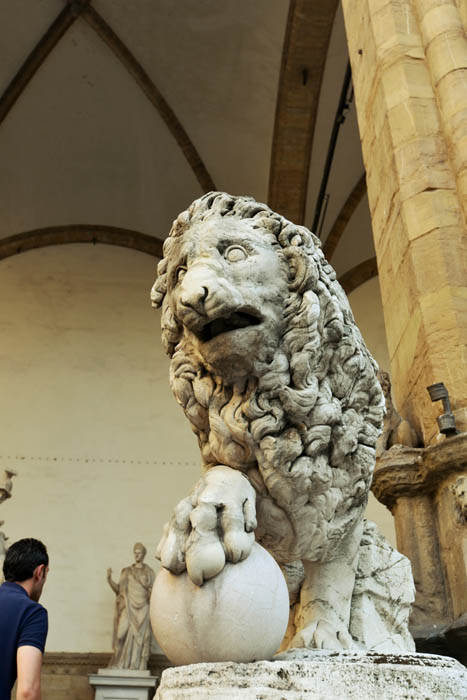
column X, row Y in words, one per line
column 214, row 525
column 322, row 634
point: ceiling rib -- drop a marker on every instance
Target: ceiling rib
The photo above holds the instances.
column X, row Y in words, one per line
column 73, row 10
column 37, row 56
column 80, row 233
column 343, row 218
column 304, row 53
column 359, row 274
column 121, row 51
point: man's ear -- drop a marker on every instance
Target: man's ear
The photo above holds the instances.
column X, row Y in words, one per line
column 39, row 572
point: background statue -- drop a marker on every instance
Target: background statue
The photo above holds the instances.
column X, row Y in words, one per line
column 6, row 485
column 3, row 550
column 396, row 430
column 132, row 631
column 275, row 378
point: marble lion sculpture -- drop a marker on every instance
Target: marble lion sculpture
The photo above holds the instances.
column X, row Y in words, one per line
column 273, row 375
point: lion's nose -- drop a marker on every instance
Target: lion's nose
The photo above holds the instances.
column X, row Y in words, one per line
column 194, row 293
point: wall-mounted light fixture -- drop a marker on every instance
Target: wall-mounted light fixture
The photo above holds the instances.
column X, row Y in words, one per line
column 446, row 421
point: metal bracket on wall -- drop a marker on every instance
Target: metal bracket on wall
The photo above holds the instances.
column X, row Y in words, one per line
column 446, row 421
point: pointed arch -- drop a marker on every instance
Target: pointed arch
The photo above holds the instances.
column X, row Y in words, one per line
column 36, row 58
column 306, row 42
column 122, row 52
column 63, row 21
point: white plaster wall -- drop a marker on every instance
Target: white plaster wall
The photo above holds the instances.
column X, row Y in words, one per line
column 368, row 312
column 102, row 450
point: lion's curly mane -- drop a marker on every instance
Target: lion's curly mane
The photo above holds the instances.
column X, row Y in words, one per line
column 305, row 429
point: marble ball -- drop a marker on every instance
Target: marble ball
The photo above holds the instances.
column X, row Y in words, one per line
column 239, row 615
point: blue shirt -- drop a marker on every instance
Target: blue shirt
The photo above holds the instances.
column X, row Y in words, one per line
column 23, row 622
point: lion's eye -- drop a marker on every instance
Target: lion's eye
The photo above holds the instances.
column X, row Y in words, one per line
column 235, row 253
column 180, row 273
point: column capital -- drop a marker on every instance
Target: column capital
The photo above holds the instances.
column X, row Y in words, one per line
column 412, row 471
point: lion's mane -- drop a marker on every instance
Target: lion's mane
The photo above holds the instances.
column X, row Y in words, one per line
column 305, row 429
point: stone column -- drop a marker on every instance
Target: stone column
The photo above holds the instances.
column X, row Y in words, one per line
column 409, row 67
column 426, row 490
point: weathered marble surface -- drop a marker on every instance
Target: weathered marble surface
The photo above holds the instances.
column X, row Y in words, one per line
column 132, row 630
column 239, row 615
column 318, row 675
column 381, row 598
column 274, row 376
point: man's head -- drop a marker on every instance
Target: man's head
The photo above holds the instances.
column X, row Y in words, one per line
column 140, row 552
column 27, row 563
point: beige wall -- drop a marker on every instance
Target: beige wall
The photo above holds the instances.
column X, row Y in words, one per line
column 368, row 311
column 102, row 450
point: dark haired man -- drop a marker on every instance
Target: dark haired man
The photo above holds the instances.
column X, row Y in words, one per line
column 23, row 621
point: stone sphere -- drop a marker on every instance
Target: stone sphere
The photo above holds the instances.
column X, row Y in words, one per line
column 239, row 615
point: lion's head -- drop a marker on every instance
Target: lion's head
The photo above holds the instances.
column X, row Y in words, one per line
column 270, row 368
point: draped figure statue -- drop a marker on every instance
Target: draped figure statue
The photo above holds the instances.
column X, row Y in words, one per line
column 132, row 631
column 6, row 486
column 3, row 550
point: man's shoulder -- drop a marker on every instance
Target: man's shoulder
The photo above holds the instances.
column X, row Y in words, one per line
column 34, row 627
column 13, row 592
column 36, row 609
column 36, row 615
column 13, row 596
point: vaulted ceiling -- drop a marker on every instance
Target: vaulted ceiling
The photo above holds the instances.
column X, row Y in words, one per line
column 115, row 115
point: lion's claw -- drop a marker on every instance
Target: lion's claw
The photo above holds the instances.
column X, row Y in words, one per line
column 214, row 525
column 237, row 545
column 170, row 549
column 321, row 634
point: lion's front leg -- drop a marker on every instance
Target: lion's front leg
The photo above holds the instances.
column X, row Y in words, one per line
column 213, row 525
column 323, row 616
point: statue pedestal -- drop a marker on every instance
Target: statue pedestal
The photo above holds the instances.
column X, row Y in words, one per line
column 318, row 675
column 123, row 684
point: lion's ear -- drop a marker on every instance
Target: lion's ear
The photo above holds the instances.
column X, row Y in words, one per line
column 303, row 270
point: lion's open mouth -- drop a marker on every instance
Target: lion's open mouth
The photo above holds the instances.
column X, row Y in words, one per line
column 239, row 319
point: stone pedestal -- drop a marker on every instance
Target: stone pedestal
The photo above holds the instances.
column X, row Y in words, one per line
column 123, row 684
column 316, row 675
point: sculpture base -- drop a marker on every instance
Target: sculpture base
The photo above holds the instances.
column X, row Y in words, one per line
column 123, row 684
column 318, row 675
